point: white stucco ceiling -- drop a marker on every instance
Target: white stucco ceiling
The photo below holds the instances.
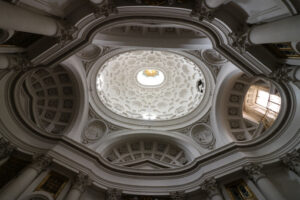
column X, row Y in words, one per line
column 177, row 95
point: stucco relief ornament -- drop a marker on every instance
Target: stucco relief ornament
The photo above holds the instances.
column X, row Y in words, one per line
column 203, row 135
column 287, row 73
column 94, row 131
column 254, row 171
column 41, row 162
column 21, row 63
column 210, row 186
column 114, row 194
column 105, row 10
column 202, row 11
column 178, row 195
column 240, row 39
column 66, row 34
column 212, row 57
column 292, row 161
column 81, row 182
column 5, row 148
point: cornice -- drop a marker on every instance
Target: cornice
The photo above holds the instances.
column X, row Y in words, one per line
column 216, row 30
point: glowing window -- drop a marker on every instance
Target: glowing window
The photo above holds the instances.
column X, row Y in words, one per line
column 150, row 77
column 261, row 105
column 268, row 101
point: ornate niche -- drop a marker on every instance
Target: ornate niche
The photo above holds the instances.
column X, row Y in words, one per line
column 94, row 131
column 203, row 135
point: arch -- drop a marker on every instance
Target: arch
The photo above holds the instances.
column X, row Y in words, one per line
column 191, row 148
column 46, row 99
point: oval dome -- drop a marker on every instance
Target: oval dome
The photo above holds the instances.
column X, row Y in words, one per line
column 150, row 85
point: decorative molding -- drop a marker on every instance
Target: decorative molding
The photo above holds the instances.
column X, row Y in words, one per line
column 254, row 171
column 66, row 35
column 105, row 9
column 81, row 182
column 20, row 63
column 41, row 162
column 94, row 131
column 292, row 161
column 211, row 187
column 202, row 11
column 203, row 135
column 286, row 73
column 113, row 194
column 240, row 39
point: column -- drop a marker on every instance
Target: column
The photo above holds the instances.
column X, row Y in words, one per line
column 16, row 18
column 14, row 188
column 211, row 187
column 78, row 187
column 292, row 161
column 113, row 194
column 179, row 195
column 5, row 150
column 262, row 182
column 214, row 3
column 285, row 30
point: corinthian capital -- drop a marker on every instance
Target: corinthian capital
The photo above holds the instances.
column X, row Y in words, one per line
column 178, row 195
column 254, row 171
column 81, row 182
column 211, row 187
column 40, row 163
column 287, row 73
column 114, row 194
column 202, row 11
column 292, row 161
column 5, row 148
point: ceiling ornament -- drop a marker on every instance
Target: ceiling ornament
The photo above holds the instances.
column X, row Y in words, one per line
column 110, row 127
column 173, row 93
column 202, row 11
column 90, row 52
column 94, row 131
column 203, row 135
column 212, row 57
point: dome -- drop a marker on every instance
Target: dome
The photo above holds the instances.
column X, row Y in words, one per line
column 152, row 86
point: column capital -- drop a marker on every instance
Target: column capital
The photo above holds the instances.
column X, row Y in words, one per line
column 254, row 172
column 41, row 162
column 15, row 62
column 114, row 194
column 240, row 39
column 211, row 187
column 202, row 11
column 287, row 73
column 81, row 182
column 292, row 161
column 6, row 148
column 105, row 10
column 178, row 195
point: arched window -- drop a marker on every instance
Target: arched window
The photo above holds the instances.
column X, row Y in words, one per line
column 262, row 103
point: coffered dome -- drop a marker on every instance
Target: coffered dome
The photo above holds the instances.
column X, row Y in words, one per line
column 152, row 86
